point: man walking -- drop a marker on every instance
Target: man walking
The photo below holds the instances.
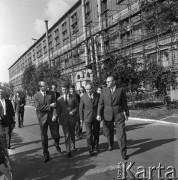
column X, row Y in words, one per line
column 77, row 126
column 54, row 90
column 67, row 109
column 114, row 103
column 19, row 104
column 88, row 112
column 46, row 114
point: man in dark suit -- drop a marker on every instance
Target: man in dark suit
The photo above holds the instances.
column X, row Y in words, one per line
column 45, row 105
column 113, row 101
column 19, row 104
column 77, row 126
column 88, row 112
column 67, row 109
column 7, row 119
column 54, row 90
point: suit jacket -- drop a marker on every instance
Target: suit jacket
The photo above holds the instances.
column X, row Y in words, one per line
column 56, row 95
column 88, row 107
column 19, row 104
column 113, row 104
column 63, row 109
column 10, row 114
column 42, row 105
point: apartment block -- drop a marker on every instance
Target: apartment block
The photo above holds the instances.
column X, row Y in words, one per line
column 86, row 35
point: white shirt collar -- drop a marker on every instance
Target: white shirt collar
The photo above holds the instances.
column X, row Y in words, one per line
column 43, row 92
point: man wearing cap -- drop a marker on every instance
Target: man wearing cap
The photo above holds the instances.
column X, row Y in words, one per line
column 67, row 109
column 45, row 105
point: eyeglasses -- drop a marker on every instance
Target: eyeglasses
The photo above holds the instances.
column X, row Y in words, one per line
column 109, row 81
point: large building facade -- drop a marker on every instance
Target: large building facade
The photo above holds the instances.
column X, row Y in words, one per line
column 89, row 32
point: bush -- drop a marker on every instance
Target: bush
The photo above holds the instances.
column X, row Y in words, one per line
column 153, row 113
column 145, row 105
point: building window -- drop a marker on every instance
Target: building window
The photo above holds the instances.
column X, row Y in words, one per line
column 39, row 51
column 104, row 6
column 34, row 56
column 74, row 24
column 50, row 42
column 29, row 58
column 56, row 32
column 87, row 12
column 64, row 31
column 44, row 46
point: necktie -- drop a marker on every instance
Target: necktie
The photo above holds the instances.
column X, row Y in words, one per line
column 44, row 97
column 65, row 99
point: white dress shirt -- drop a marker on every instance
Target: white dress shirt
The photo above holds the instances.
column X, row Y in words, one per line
column 3, row 102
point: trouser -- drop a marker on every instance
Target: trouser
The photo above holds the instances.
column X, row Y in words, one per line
column 69, row 131
column 92, row 132
column 77, row 126
column 5, row 136
column 20, row 117
column 8, row 132
column 108, row 129
column 54, row 128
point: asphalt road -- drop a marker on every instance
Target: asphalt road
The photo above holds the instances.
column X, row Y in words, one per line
column 149, row 144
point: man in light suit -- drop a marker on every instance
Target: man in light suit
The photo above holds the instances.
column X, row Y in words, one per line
column 88, row 112
column 45, row 104
column 67, row 109
column 114, row 103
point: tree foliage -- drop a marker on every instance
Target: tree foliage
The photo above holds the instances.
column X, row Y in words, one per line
column 164, row 14
column 161, row 78
column 32, row 75
column 134, row 75
column 29, row 79
column 126, row 70
column 8, row 89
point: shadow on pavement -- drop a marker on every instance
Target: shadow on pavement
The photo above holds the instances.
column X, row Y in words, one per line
column 136, row 126
column 146, row 146
column 29, row 165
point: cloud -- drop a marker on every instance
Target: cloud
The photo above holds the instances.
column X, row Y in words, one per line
column 8, row 55
column 53, row 11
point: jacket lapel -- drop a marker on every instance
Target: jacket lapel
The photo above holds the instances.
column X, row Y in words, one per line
column 109, row 95
column 89, row 100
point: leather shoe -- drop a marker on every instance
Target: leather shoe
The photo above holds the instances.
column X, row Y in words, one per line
column 58, row 149
column 74, row 149
column 68, row 155
column 92, row 153
column 124, row 157
column 96, row 149
column 46, row 158
column 110, row 148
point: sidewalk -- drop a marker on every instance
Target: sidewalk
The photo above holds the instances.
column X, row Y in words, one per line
column 27, row 156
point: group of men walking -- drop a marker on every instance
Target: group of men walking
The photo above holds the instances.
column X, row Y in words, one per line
column 69, row 109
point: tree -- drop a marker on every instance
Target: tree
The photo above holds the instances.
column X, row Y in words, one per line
column 164, row 14
column 129, row 73
column 32, row 75
column 29, row 80
column 161, row 78
column 8, row 89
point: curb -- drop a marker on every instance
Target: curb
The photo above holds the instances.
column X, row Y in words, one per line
column 153, row 120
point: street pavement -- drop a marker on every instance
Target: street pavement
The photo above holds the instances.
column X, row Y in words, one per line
column 149, row 143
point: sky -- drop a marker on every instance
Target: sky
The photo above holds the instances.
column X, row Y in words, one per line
column 22, row 20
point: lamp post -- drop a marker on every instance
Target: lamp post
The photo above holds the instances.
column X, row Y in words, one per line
column 47, row 43
column 34, row 40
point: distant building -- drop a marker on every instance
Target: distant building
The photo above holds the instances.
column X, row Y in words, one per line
column 89, row 32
